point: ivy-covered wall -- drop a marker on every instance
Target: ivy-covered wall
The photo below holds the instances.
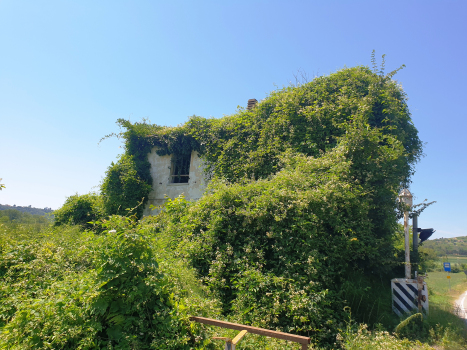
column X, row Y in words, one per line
column 309, row 119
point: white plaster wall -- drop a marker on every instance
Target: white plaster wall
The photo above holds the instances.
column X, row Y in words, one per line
column 161, row 187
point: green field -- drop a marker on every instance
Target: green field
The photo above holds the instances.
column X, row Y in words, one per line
column 439, row 284
column 455, row 259
column 442, row 297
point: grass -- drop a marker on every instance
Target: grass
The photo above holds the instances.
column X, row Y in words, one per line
column 447, row 289
column 442, row 297
column 455, row 259
column 442, row 329
column 443, row 293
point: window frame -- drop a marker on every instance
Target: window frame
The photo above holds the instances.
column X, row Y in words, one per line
column 180, row 169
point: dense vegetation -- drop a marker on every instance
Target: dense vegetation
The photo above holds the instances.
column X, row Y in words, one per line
column 299, row 224
column 80, row 210
column 354, row 107
column 71, row 289
column 65, row 288
column 14, row 218
column 303, row 189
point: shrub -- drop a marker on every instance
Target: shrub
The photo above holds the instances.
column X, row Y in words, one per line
column 413, row 327
column 126, row 186
column 304, row 191
column 278, row 250
column 76, row 290
column 80, row 210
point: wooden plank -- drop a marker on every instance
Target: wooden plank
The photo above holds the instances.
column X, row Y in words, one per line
column 255, row 330
column 239, row 337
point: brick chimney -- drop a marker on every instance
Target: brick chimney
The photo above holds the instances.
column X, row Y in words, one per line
column 252, row 102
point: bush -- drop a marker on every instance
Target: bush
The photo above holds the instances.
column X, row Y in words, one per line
column 126, row 186
column 413, row 327
column 70, row 289
column 277, row 251
column 80, row 210
column 303, row 195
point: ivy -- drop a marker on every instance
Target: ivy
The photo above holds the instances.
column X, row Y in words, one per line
column 302, row 199
column 309, row 119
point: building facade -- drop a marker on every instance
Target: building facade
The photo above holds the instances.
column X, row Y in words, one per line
column 174, row 176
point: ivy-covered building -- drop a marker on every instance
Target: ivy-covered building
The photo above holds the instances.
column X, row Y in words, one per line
column 358, row 113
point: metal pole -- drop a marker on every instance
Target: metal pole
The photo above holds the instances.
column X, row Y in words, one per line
column 415, row 233
column 415, row 240
column 407, row 245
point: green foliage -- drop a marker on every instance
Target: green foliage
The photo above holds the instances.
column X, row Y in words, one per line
column 428, row 259
column 277, row 251
column 19, row 217
column 308, row 119
column 359, row 337
column 80, row 210
column 412, row 327
column 126, row 186
column 68, row 289
column 303, row 195
column 448, row 246
column 128, row 182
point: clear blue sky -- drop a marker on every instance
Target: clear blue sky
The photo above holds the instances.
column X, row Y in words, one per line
column 70, row 69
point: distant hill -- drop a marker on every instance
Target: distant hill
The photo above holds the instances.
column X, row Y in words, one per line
column 29, row 209
column 448, row 246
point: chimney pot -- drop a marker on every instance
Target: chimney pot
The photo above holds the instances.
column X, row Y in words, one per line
column 252, row 102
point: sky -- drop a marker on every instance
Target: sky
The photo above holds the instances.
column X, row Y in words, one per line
column 70, row 69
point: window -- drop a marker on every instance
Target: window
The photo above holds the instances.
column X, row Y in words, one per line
column 180, row 169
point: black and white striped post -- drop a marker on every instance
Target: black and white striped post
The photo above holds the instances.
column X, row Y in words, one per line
column 409, row 294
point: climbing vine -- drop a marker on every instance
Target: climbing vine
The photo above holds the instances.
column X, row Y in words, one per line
column 309, row 119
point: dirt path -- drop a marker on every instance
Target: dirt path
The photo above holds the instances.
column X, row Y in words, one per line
column 461, row 306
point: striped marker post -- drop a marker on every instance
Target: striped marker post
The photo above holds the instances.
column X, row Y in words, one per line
column 409, row 295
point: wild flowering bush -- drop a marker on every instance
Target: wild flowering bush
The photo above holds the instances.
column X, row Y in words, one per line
column 74, row 290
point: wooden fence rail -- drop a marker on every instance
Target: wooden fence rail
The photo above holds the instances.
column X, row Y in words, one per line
column 255, row 330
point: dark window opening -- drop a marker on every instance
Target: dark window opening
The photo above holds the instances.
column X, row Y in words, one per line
column 180, row 169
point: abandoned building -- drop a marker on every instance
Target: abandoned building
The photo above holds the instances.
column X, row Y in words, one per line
column 173, row 176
